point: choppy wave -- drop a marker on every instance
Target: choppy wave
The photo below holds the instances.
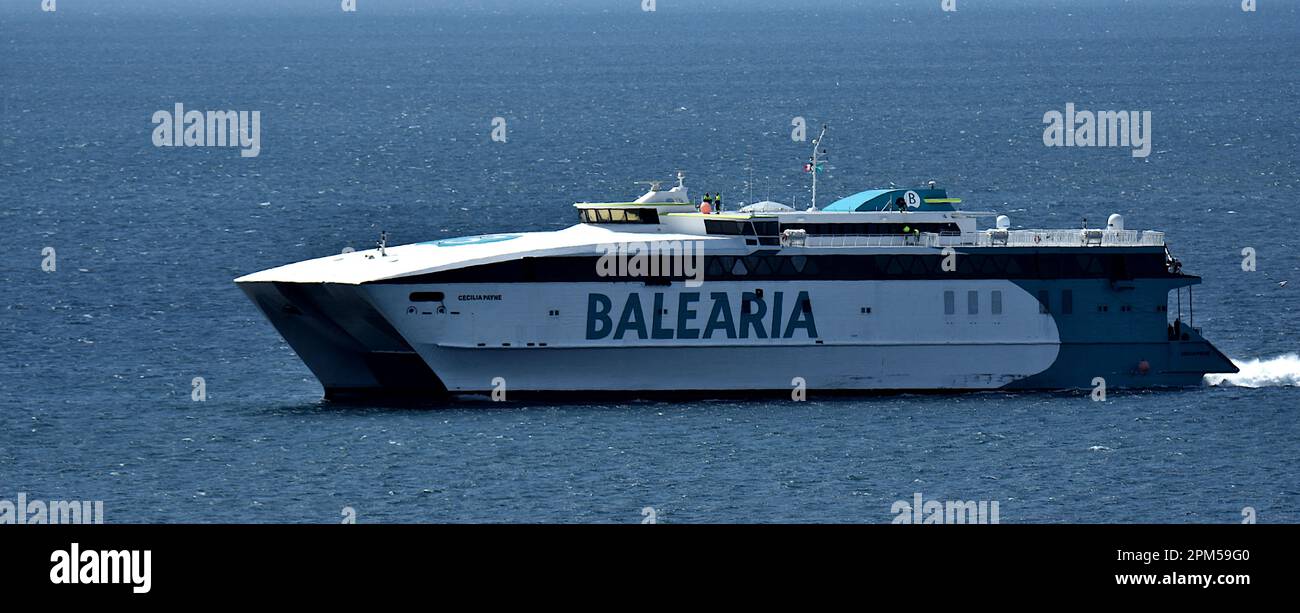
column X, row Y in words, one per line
column 1280, row 371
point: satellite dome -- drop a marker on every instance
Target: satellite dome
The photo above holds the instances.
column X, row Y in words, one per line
column 766, row 206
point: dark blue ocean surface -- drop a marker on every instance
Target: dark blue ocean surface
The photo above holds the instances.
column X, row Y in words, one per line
column 381, row 120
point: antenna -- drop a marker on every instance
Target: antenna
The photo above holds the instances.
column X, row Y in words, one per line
column 382, row 243
column 814, row 165
column 749, row 185
column 654, row 185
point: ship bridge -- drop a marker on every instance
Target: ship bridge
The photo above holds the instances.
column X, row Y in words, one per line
column 644, row 210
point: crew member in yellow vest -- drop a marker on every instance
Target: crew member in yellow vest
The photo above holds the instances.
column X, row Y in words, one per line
column 911, row 233
column 706, row 207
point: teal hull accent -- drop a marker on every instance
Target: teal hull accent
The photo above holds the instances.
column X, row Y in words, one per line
column 1134, row 348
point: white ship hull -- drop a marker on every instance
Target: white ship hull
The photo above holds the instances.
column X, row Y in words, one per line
column 904, row 342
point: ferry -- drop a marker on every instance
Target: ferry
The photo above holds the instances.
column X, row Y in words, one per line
column 884, row 290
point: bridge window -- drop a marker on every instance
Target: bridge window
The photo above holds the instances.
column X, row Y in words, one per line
column 630, row 215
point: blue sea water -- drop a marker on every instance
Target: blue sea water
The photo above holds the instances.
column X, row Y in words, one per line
column 381, row 120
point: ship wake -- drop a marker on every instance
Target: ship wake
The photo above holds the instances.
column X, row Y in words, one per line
column 1279, row 371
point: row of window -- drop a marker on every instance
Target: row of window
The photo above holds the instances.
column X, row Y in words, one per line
column 847, row 267
column 902, row 265
column 1044, row 303
column 635, row 215
column 1067, row 304
column 972, row 302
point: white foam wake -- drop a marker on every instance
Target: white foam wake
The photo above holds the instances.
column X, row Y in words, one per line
column 1280, row 371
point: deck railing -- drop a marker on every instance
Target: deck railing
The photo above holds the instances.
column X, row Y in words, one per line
column 996, row 238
